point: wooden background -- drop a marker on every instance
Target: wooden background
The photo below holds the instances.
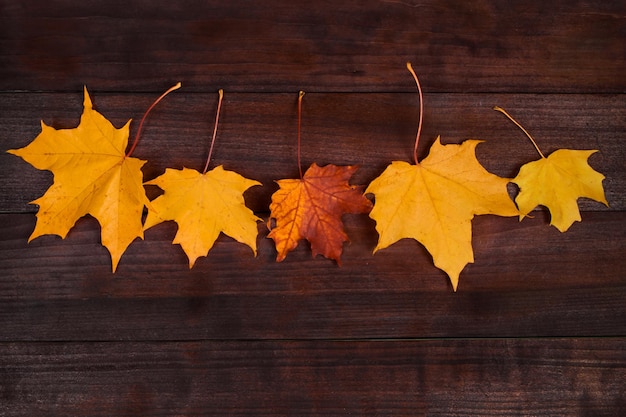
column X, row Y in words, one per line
column 538, row 325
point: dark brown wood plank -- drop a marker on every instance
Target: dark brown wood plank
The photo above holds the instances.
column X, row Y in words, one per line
column 528, row 280
column 556, row 377
column 257, row 133
column 530, row 46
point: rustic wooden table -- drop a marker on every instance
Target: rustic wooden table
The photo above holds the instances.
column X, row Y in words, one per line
column 538, row 324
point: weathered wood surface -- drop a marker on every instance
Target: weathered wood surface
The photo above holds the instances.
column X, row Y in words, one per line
column 555, row 377
column 523, row 46
column 538, row 325
column 528, row 280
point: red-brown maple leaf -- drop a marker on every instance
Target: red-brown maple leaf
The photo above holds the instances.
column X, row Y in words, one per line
column 311, row 208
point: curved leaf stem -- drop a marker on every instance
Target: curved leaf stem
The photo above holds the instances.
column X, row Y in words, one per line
column 300, row 95
column 421, row 97
column 136, row 141
column 217, row 118
column 501, row 110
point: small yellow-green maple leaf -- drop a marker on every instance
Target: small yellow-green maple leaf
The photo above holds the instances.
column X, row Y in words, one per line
column 203, row 205
column 557, row 181
column 435, row 201
column 92, row 175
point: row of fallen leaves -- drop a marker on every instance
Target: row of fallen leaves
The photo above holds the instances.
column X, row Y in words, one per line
column 432, row 201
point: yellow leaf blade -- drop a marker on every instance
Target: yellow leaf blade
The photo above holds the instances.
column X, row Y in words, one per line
column 435, row 201
column 120, row 210
column 203, row 205
column 557, row 182
column 92, row 176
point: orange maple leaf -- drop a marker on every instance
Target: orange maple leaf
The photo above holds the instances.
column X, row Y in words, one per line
column 203, row 205
column 92, row 175
column 311, row 208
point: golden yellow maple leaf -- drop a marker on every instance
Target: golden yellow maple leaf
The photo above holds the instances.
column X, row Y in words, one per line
column 311, row 208
column 92, row 175
column 556, row 182
column 203, row 205
column 434, row 202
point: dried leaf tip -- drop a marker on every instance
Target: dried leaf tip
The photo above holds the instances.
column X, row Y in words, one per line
column 501, row 110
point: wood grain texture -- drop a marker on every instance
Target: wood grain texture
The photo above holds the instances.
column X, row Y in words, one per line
column 538, row 325
column 529, row 46
column 284, row 378
column 528, row 280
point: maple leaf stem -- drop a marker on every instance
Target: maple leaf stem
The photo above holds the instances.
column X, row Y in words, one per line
column 217, row 118
column 501, row 110
column 419, row 125
column 136, row 141
column 300, row 95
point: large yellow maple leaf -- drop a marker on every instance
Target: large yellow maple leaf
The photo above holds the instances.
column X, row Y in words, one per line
column 311, row 208
column 557, row 181
column 92, row 175
column 203, row 205
column 434, row 202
